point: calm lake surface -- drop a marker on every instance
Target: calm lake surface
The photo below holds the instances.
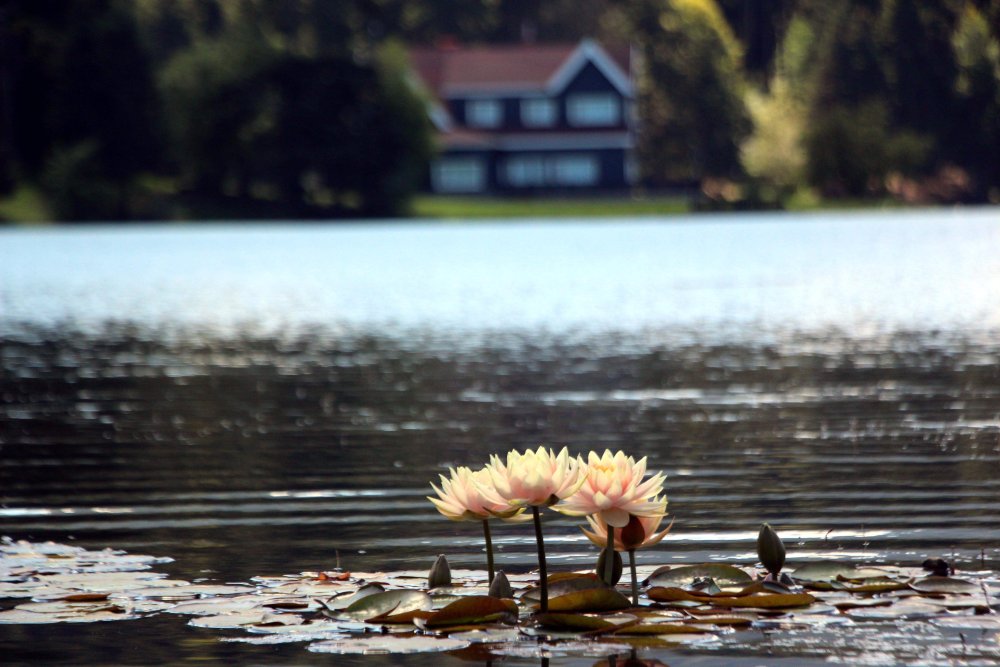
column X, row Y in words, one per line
column 269, row 399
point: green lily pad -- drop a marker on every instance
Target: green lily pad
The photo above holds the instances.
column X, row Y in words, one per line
column 593, row 599
column 380, row 605
column 662, row 629
column 944, row 585
column 346, row 600
column 822, row 571
column 244, row 618
column 388, row 644
column 582, row 622
column 472, row 610
column 766, row 601
column 722, row 574
column 563, row 585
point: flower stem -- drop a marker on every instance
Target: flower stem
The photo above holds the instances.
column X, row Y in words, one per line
column 609, row 558
column 489, row 549
column 635, row 579
column 543, row 575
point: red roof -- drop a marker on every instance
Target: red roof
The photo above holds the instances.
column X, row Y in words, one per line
column 522, row 67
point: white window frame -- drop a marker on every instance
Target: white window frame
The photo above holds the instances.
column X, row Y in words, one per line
column 484, row 112
column 539, row 112
column 593, row 109
column 459, row 174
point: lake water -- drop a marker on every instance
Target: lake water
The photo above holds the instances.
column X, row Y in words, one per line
column 271, row 398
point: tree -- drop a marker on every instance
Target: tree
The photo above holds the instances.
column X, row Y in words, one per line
column 81, row 98
column 977, row 127
column 690, row 91
column 317, row 135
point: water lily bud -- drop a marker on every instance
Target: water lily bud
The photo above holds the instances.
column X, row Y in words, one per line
column 770, row 550
column 500, row 587
column 440, row 574
column 634, row 534
column 616, row 568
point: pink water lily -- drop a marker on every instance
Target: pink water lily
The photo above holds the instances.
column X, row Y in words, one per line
column 461, row 497
column 536, row 478
column 614, row 490
column 640, row 532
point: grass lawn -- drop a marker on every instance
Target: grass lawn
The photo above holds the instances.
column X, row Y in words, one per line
column 451, row 207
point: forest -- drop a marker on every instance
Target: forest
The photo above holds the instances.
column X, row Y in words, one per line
column 167, row 109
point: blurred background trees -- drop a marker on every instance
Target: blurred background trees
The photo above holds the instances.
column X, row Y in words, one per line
column 115, row 109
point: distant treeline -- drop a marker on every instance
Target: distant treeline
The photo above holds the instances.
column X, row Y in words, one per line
column 125, row 109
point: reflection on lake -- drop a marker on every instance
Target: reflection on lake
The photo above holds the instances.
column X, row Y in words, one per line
column 263, row 400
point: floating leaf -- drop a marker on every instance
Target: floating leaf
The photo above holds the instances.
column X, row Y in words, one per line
column 857, row 603
column 713, row 619
column 234, row 620
column 563, row 585
column 905, row 609
column 473, row 610
column 593, row 599
column 377, row 606
column 879, row 585
column 828, row 571
column 492, row 635
column 724, row 575
column 191, row 591
column 388, row 644
column 766, row 601
column 944, row 585
column 662, row 629
column 582, row 622
column 984, row 622
column 346, row 600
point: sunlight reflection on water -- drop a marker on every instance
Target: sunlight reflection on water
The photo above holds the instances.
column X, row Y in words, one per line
column 270, row 398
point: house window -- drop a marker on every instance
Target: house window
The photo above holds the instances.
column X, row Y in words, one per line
column 525, row 171
column 538, row 112
column 590, row 109
column 459, row 174
column 483, row 113
column 575, row 170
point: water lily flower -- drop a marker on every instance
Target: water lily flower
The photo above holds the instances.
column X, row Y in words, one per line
column 538, row 478
column 614, row 490
column 641, row 536
column 461, row 497
column 638, row 533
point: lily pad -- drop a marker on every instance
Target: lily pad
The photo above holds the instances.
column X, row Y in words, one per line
column 662, row 629
column 944, row 585
column 473, row 610
column 723, row 575
column 377, row 606
column 244, row 618
column 388, row 644
column 582, row 622
column 593, row 599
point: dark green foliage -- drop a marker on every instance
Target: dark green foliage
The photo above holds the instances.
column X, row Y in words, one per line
column 690, row 92
column 80, row 99
column 310, row 133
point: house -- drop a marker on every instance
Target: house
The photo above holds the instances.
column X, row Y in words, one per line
column 529, row 117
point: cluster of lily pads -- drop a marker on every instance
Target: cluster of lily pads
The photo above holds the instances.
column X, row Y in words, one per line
column 610, row 490
column 404, row 612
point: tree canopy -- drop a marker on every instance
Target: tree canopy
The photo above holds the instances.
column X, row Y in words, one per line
column 304, row 107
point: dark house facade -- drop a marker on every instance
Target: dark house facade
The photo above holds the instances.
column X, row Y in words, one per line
column 517, row 119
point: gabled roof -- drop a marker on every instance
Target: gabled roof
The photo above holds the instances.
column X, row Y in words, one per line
column 523, row 68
